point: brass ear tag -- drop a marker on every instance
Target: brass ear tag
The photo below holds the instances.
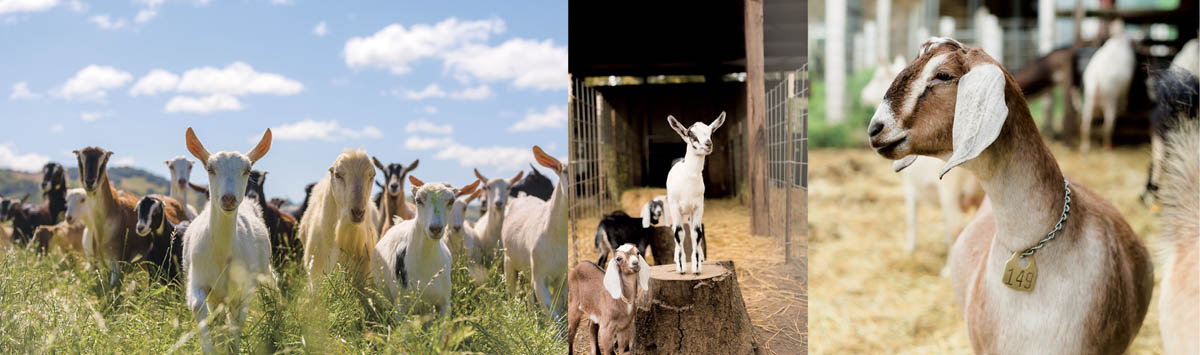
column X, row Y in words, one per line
column 1017, row 278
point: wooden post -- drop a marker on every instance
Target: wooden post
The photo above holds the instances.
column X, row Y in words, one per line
column 756, row 145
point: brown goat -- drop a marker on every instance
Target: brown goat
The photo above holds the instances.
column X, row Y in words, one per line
column 390, row 201
column 606, row 297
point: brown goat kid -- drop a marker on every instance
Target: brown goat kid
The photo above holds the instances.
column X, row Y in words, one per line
column 606, row 297
column 1091, row 284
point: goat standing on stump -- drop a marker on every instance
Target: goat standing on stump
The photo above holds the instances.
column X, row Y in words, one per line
column 685, row 189
column 1089, row 288
column 390, row 201
column 284, row 244
column 611, row 310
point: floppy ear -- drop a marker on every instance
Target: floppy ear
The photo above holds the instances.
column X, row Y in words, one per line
column 646, row 215
column 194, row 147
column 979, row 113
column 718, row 122
column 261, row 149
column 612, row 279
column 679, row 128
column 643, row 273
column 378, row 164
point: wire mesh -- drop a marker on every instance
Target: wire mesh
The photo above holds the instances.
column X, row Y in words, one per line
column 587, row 181
column 787, row 161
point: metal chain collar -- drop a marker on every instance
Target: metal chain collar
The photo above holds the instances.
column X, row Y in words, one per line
column 1057, row 227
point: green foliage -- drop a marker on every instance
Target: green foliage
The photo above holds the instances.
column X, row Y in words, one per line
column 56, row 304
column 850, row 134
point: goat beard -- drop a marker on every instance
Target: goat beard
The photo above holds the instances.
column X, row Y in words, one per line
column 355, row 242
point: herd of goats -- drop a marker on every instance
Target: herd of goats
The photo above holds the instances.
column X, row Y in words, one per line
column 223, row 253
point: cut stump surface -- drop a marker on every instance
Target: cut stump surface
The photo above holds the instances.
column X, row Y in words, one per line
column 694, row 314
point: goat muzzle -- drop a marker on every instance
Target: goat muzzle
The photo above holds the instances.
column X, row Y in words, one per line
column 357, row 214
column 181, row 182
column 228, row 203
column 436, row 230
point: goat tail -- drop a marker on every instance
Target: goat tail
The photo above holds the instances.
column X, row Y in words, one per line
column 1180, row 188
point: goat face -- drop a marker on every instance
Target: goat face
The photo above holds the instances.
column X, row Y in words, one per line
column 181, row 171
column 626, row 262
column 394, row 175
column 699, row 136
column 227, row 171
column 93, row 164
column 76, row 205
column 149, row 215
column 434, row 202
column 254, row 184
column 351, row 180
column 948, row 103
column 458, row 213
column 652, row 213
column 495, row 190
column 53, row 177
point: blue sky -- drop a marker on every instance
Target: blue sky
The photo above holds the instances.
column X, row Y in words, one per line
column 458, row 84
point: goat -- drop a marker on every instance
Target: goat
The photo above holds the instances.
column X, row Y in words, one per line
column 491, row 223
column 26, row 218
column 1178, row 99
column 535, row 239
column 181, row 171
column 414, row 254
column 282, row 226
column 1178, row 317
column 390, row 201
column 62, row 236
column 459, row 236
column 1188, row 57
column 337, row 228
column 77, row 213
column 297, row 211
column 534, row 184
column 166, row 245
column 226, row 249
column 618, row 228
column 610, row 310
column 1090, row 292
column 654, row 213
column 685, row 188
column 112, row 214
column 956, row 193
column 1106, row 85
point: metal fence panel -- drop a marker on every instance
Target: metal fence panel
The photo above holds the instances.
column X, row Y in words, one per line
column 587, row 181
column 787, row 161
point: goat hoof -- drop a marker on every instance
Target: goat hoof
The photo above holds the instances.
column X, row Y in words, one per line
column 679, row 268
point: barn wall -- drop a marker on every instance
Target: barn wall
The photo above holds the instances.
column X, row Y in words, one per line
column 640, row 145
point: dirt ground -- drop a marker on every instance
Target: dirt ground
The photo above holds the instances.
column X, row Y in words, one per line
column 869, row 296
column 774, row 292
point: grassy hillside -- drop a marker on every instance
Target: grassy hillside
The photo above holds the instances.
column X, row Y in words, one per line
column 137, row 181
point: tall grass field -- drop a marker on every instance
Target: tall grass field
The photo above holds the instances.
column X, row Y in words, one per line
column 56, row 303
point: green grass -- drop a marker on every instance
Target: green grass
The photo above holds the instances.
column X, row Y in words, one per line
column 849, row 134
column 56, row 304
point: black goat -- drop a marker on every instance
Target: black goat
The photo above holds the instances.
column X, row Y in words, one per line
column 617, row 229
column 534, row 184
column 282, row 226
column 166, row 238
column 26, row 218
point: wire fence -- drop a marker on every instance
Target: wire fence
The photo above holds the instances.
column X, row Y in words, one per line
column 787, row 161
column 588, row 187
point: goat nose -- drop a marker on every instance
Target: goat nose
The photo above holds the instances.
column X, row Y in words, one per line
column 357, row 213
column 227, row 201
column 181, row 182
column 875, row 129
column 436, row 229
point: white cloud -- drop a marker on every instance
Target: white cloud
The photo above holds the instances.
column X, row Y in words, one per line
column 321, row 29
column 435, row 91
column 158, row 80
column 321, row 130
column 58, row 127
column 14, row 6
column 432, row 90
column 499, row 157
column 77, row 6
column 427, row 127
column 203, row 105
column 431, row 110
column 12, row 159
column 145, row 15
column 92, row 83
column 554, row 116
column 105, row 22
column 92, row 116
column 20, row 91
column 396, row 47
column 123, row 161
column 528, row 63
column 236, row 79
column 477, row 93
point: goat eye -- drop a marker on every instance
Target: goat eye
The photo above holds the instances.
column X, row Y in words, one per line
column 941, row 77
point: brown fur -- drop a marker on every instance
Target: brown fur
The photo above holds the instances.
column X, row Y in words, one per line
column 62, row 236
column 588, row 298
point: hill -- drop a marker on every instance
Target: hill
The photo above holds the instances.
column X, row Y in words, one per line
column 137, row 181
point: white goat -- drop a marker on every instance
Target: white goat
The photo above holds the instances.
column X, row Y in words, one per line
column 1106, row 85
column 181, row 172
column 415, row 257
column 872, row 93
column 1089, row 289
column 488, row 227
column 460, row 237
column 1188, row 57
column 77, row 212
column 611, row 310
column 1178, row 316
column 685, row 188
column 227, row 249
column 957, row 192
column 337, row 226
column 535, row 240
column 654, row 213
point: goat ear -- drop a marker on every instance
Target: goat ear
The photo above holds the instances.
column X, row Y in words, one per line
column 646, row 215
column 415, row 181
column 517, row 178
column 412, row 166
column 261, row 149
column 378, row 164
column 480, row 176
column 979, row 113
column 643, row 273
column 546, row 160
column 474, row 194
column 718, row 122
column 195, row 147
column 468, row 189
column 612, row 279
column 679, row 128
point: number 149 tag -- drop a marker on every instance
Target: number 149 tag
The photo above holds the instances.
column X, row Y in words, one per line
column 1018, row 278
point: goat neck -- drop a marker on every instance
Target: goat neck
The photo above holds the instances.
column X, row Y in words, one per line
column 693, row 161
column 1020, row 177
column 558, row 209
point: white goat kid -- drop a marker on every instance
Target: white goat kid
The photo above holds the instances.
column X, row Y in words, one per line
column 181, row 174
column 415, row 258
column 227, row 250
column 685, row 188
column 535, row 240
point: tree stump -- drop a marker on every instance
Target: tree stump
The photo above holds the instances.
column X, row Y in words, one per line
column 694, row 314
column 662, row 246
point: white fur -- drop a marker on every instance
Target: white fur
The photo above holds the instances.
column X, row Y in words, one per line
column 979, row 113
column 78, row 213
column 427, row 259
column 488, row 228
column 881, row 79
column 922, row 183
column 327, row 229
column 685, row 188
column 1188, row 57
column 535, row 241
column 1106, row 82
column 181, row 171
column 918, row 86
